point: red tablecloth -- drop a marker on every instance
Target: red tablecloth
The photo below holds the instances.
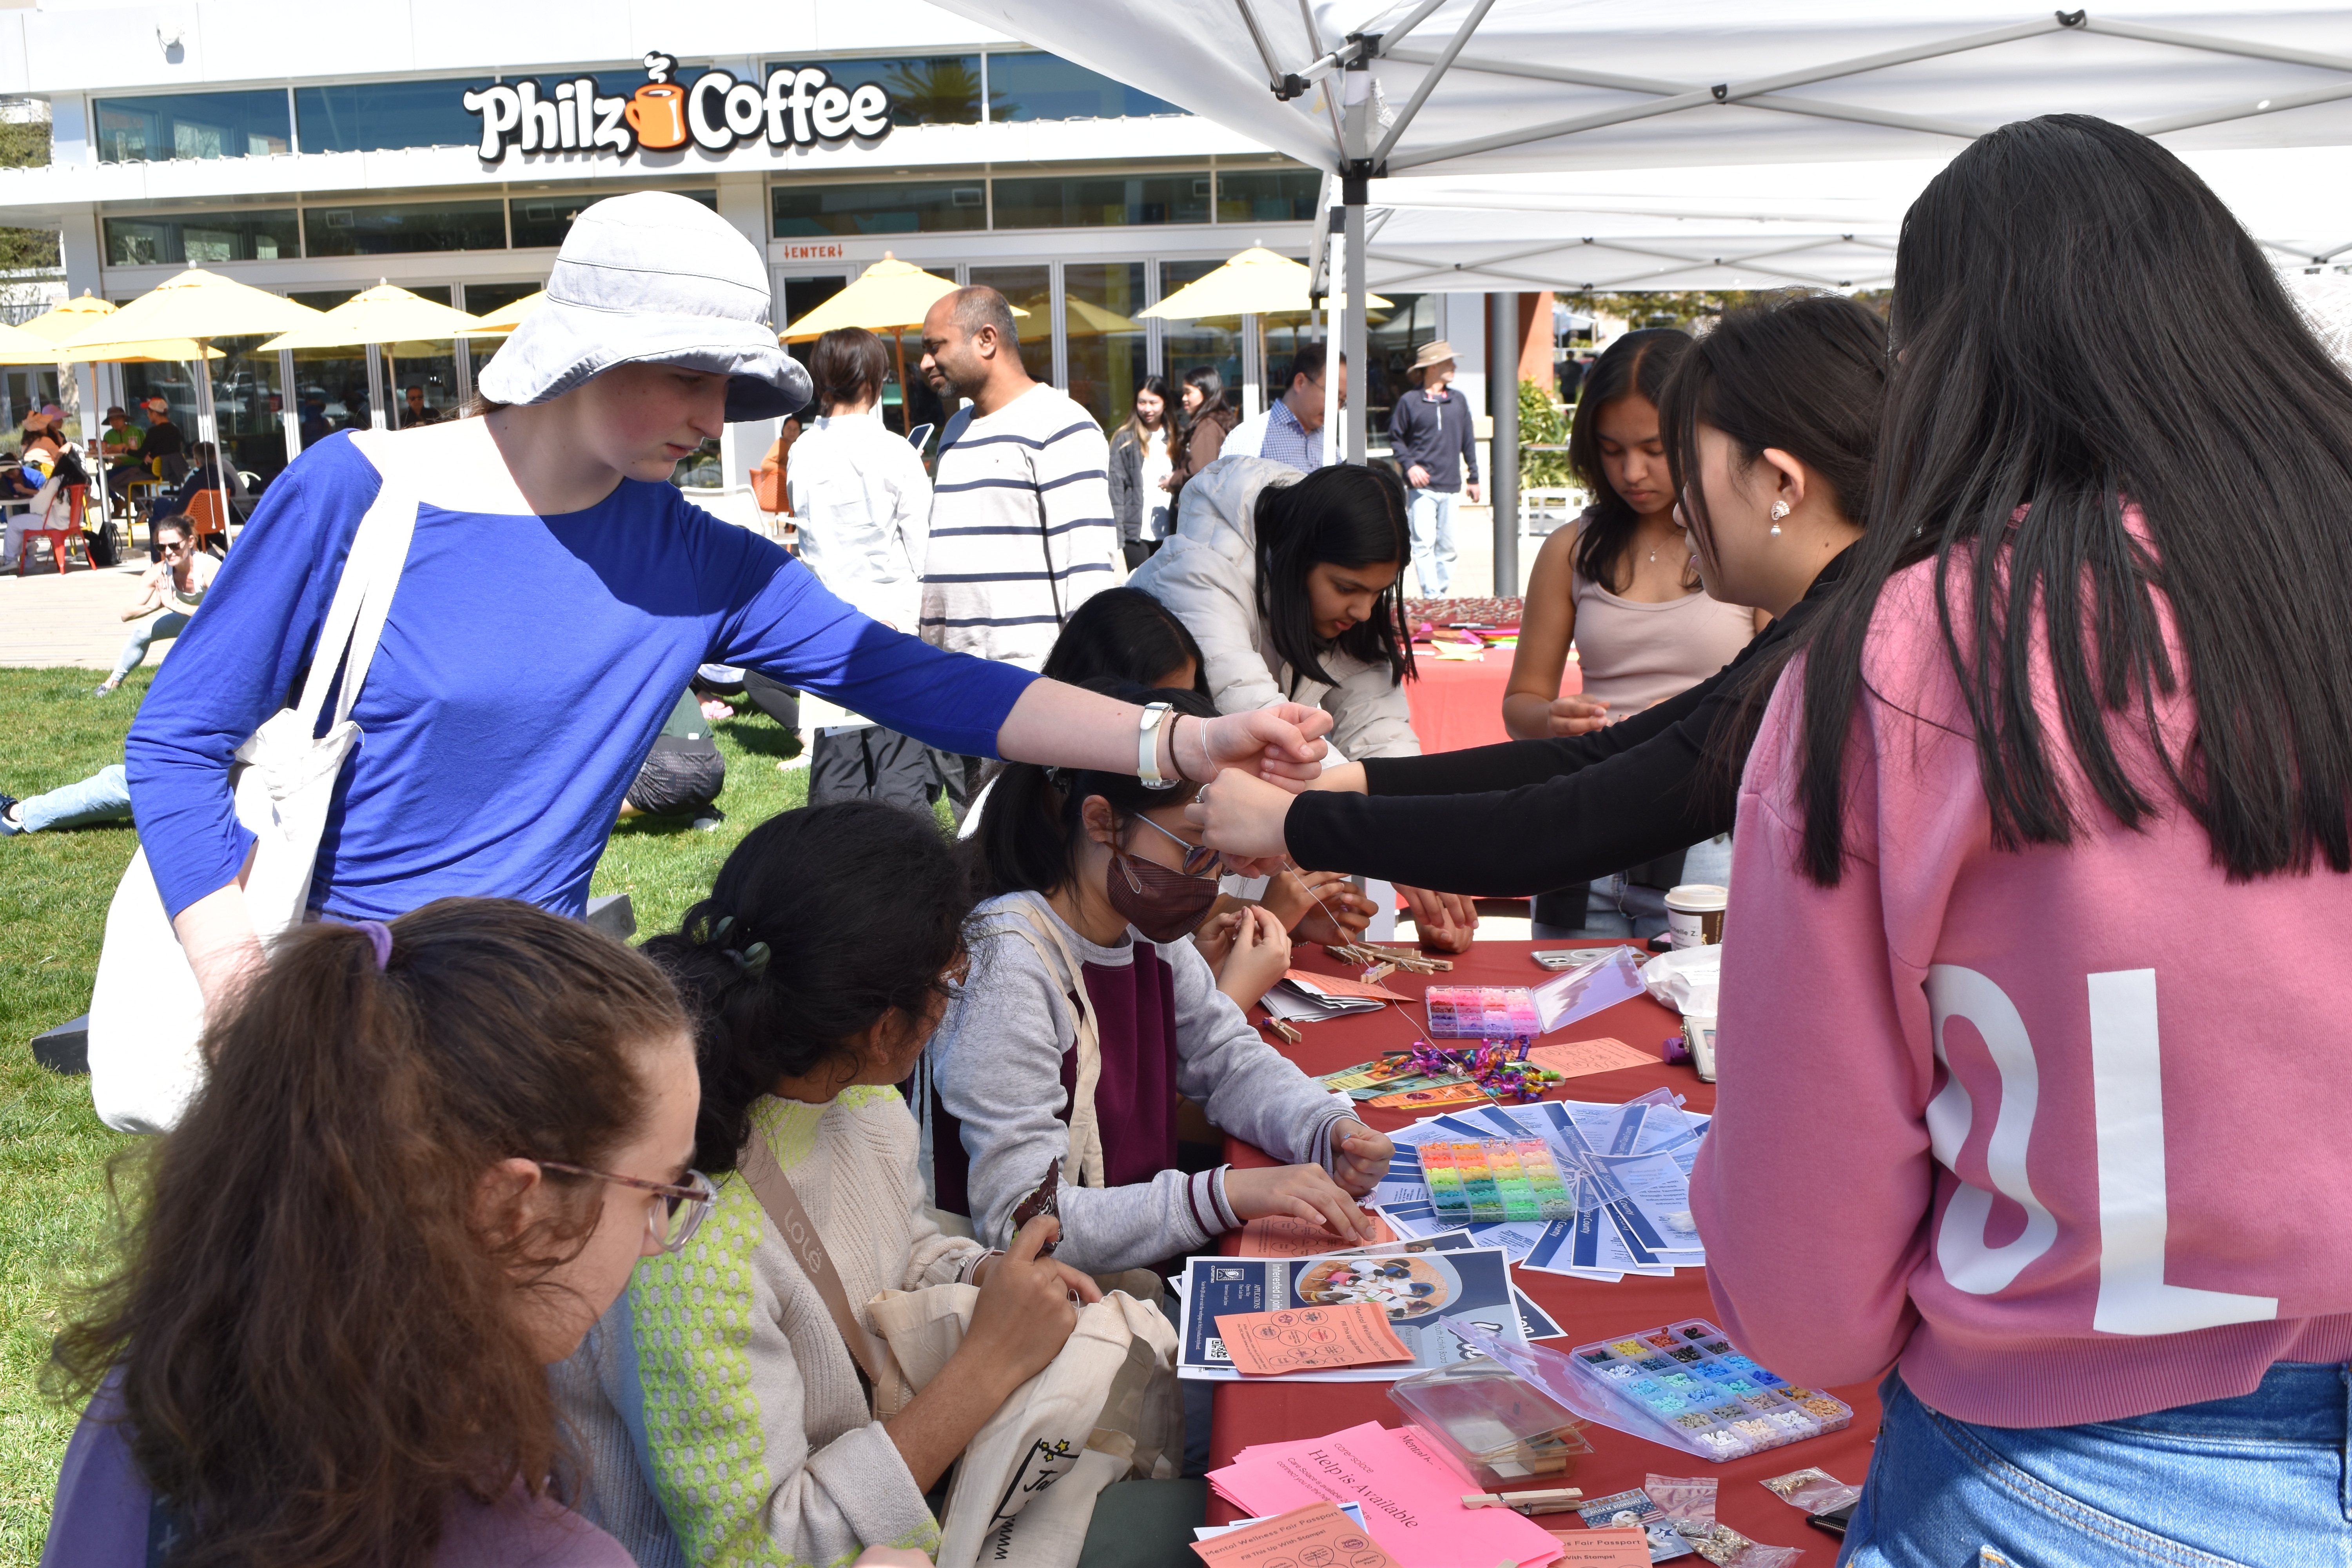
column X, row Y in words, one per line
column 1459, row 702
column 1275, row 1412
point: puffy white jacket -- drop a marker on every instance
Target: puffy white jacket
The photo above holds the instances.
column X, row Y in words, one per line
column 1207, row 573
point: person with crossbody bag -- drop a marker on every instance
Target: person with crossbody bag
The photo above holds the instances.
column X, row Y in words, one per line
column 545, row 529
column 795, row 1382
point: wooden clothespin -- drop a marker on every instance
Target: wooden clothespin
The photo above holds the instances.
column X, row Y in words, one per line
column 1281, row 1028
column 1561, row 1500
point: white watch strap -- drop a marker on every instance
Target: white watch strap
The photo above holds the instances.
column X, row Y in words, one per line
column 1146, row 746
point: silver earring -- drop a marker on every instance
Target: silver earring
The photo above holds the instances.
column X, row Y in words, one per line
column 1780, row 511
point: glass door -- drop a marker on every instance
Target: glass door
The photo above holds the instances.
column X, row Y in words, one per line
column 1186, row 346
column 1105, row 343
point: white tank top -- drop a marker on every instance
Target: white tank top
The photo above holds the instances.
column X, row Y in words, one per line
column 1633, row 654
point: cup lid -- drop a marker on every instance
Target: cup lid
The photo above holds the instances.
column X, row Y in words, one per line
column 1698, row 898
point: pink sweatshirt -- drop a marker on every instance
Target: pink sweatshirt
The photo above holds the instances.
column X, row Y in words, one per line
column 2060, row 1129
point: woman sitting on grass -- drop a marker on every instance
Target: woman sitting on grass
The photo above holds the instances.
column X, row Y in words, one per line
column 428, row 1158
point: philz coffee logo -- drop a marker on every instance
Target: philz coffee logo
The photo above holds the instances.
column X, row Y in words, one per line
column 795, row 106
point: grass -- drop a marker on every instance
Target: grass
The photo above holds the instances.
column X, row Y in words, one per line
column 55, row 1219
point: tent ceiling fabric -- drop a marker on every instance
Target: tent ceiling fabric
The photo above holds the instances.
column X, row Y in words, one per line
column 1544, row 85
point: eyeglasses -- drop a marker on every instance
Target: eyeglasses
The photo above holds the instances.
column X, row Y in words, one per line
column 1199, row 859
column 671, row 1223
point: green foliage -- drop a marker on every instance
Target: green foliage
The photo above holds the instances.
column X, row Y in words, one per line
column 56, row 1224
column 1542, row 423
column 25, row 144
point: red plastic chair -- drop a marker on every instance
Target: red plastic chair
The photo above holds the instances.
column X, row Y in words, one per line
column 61, row 541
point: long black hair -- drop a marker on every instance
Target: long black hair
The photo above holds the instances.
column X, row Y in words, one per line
column 1213, row 398
column 1170, row 413
column 822, row 922
column 1341, row 515
column 1636, row 365
column 1805, row 374
column 1033, row 821
column 1124, row 634
column 2047, row 380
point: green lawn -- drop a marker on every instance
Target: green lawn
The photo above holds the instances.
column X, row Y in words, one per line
column 54, row 1219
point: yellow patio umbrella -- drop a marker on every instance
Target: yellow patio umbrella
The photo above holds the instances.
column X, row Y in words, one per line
column 888, row 297
column 1257, row 282
column 1085, row 318
column 506, row 318
column 198, row 305
column 18, row 346
column 383, row 314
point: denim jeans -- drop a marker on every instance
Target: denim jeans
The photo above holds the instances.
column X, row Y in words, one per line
column 1430, row 514
column 104, row 796
column 1616, row 907
column 170, row 623
column 2262, row 1478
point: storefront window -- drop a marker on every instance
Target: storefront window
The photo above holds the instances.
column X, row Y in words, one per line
column 1030, row 84
column 22, row 391
column 420, row 379
column 1029, row 288
column 193, row 125
column 481, row 299
column 246, row 398
column 925, row 90
column 203, row 239
column 366, row 118
column 1271, row 195
column 1096, row 201
column 331, row 385
column 405, row 226
column 172, row 381
column 1189, row 345
column 1106, row 342
column 1390, row 339
column 915, row 208
column 545, row 220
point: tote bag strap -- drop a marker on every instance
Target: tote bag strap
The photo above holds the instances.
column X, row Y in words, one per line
column 347, row 639
column 1086, row 1128
column 774, row 1190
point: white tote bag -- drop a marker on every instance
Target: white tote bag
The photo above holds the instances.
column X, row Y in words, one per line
column 1106, row 1407
column 146, row 1014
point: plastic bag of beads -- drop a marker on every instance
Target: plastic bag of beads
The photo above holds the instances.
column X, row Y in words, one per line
column 1687, row 1501
column 1814, row 1490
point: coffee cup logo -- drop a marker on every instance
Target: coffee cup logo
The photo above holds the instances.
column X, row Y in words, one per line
column 657, row 113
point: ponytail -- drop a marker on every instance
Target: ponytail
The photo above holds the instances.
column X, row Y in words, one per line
column 823, row 922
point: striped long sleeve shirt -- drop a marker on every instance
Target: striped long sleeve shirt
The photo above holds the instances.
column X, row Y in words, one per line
column 1022, row 531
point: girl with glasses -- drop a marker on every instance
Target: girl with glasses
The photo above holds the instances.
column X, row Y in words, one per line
column 723, row 1411
column 1088, row 1015
column 428, row 1158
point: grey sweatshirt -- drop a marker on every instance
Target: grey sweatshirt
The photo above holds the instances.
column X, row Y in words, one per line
column 996, row 1066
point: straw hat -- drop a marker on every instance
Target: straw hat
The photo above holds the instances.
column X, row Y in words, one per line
column 652, row 278
column 1437, row 351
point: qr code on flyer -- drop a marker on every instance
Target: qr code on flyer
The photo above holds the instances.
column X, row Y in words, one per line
column 1213, row 1349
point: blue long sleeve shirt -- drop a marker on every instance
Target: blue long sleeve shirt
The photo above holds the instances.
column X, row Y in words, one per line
column 1439, row 434
column 526, row 666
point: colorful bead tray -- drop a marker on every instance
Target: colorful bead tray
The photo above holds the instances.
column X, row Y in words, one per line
column 1713, row 1400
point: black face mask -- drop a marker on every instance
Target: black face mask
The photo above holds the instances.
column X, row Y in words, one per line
column 1161, row 901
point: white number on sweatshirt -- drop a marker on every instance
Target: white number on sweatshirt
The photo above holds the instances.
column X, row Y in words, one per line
column 2127, row 1092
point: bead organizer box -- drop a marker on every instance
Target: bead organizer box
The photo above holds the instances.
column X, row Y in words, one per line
column 1709, row 1399
column 1483, row 1013
column 1495, row 1181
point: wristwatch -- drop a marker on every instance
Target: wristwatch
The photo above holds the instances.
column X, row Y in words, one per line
column 1146, row 746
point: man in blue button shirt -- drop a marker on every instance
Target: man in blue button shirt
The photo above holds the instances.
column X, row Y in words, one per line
column 1435, row 442
column 1291, row 430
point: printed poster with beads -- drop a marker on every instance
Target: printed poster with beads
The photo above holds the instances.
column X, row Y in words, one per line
column 1415, row 1283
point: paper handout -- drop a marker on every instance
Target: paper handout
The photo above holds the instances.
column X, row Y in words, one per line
column 1317, row 1534
column 1604, row 1549
column 1300, row 1339
column 1574, row 1058
column 1287, row 1235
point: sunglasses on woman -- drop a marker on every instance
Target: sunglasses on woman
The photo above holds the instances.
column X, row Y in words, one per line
column 1199, row 859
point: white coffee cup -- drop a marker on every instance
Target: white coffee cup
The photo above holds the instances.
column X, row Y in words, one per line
column 1694, row 914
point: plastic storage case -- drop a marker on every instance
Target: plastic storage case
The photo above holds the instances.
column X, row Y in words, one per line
column 1501, row 1427
column 1710, row 1399
column 1495, row 1181
column 1482, row 1013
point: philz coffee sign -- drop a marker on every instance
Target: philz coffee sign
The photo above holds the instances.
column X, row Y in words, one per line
column 795, row 106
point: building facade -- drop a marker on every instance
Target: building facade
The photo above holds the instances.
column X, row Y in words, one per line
column 237, row 137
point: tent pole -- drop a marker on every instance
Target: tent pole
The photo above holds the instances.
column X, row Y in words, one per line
column 1333, row 299
column 1503, row 403
column 905, row 407
column 1359, row 449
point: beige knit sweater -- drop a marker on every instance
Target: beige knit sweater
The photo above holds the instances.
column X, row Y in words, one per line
column 720, row 1415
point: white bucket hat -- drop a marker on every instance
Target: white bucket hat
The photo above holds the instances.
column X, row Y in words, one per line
column 652, row 278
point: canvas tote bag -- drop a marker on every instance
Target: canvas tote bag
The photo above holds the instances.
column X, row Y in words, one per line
column 146, row 1014
column 1107, row 1408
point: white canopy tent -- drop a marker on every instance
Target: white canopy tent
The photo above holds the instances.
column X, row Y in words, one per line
column 1469, row 90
